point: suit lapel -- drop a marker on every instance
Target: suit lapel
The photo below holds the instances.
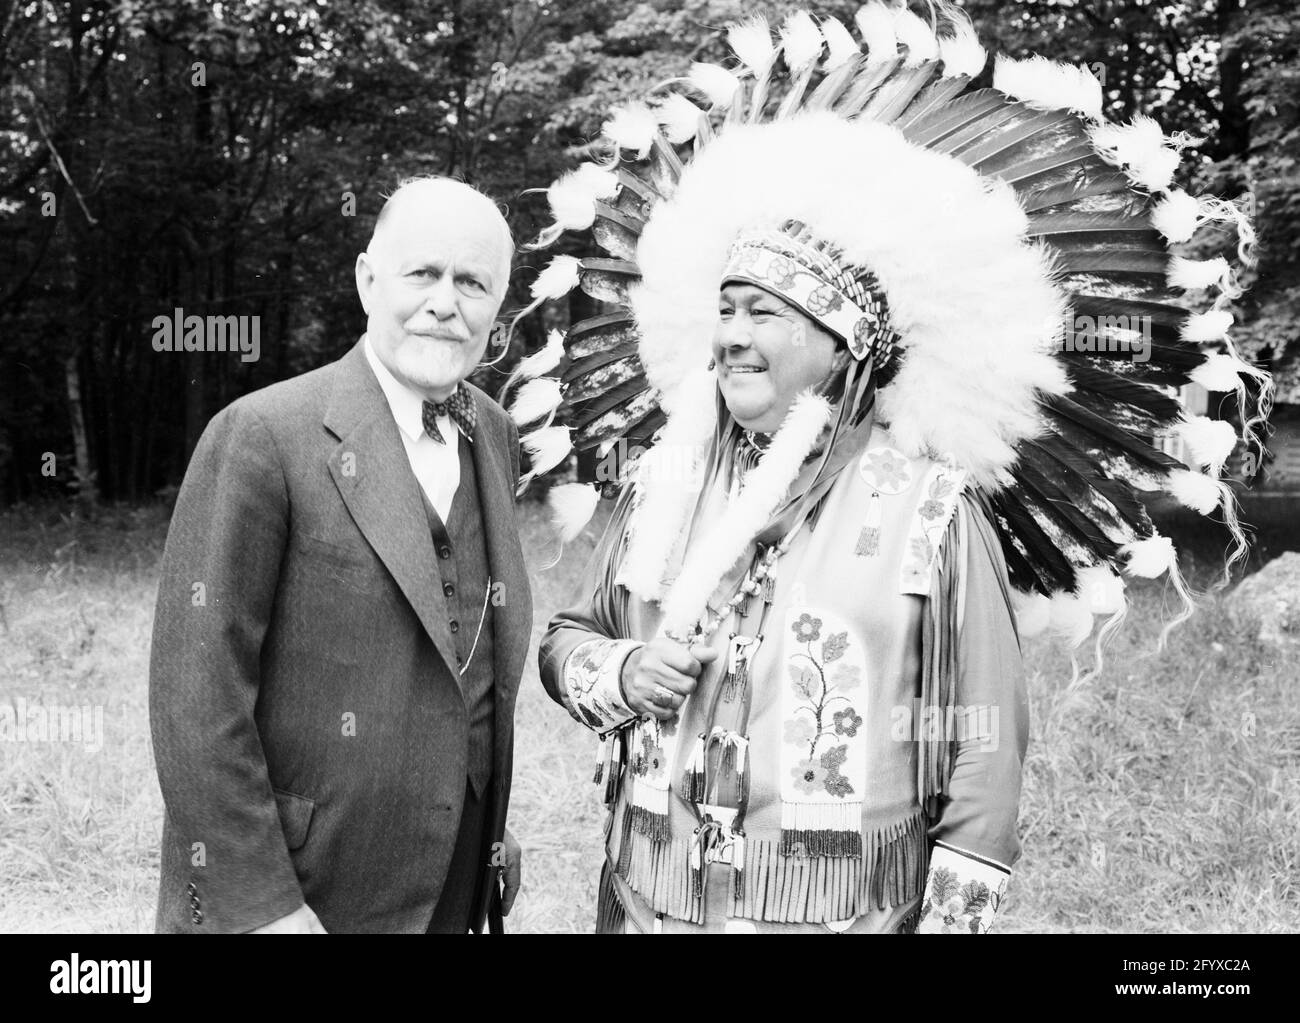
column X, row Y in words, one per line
column 505, row 555
column 374, row 478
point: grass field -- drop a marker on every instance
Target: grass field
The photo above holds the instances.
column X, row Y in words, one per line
column 1161, row 796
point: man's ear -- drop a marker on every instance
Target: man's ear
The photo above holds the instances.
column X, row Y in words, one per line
column 365, row 279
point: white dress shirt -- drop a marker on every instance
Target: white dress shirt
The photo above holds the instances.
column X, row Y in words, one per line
column 436, row 466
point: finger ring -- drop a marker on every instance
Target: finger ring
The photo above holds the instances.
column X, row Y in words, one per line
column 662, row 696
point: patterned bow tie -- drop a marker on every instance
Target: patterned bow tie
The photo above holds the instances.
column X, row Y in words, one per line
column 460, row 406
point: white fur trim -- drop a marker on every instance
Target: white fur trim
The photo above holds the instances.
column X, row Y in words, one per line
column 1148, row 156
column 801, row 41
column 1150, row 558
column 573, row 197
column 717, row 83
column 680, row 118
column 1195, row 490
column 1176, row 216
column 876, row 23
column 916, row 35
column 970, row 381
column 1033, row 612
column 668, row 482
column 572, row 506
column 546, row 448
column 722, row 543
column 1218, row 373
column 632, row 127
column 542, row 361
column 751, row 42
column 840, row 42
column 1048, row 84
column 1209, row 441
column 535, row 400
column 1202, row 328
column 962, row 54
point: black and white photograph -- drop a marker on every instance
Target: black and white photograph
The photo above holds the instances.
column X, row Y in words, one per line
column 651, row 467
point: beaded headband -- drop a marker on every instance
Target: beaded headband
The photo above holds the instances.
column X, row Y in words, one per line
column 813, row 276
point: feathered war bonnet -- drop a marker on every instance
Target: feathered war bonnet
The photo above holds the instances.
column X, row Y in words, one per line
column 1020, row 244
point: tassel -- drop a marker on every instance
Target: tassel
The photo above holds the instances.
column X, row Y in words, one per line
column 693, row 775
column 1218, row 373
column 1195, row 490
column 546, row 448
column 543, row 361
column 869, row 539
column 601, row 753
column 1200, row 274
column 573, row 201
column 613, row 768
column 1148, row 156
column 1070, row 617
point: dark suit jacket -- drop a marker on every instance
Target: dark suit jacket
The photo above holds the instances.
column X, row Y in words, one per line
column 308, row 724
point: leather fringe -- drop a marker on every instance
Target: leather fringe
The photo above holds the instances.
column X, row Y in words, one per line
column 610, row 915
column 774, row 887
column 939, row 668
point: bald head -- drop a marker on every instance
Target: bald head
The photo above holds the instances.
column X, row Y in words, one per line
column 432, row 282
column 426, row 203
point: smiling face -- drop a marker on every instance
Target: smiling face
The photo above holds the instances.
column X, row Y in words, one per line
column 767, row 352
column 432, row 283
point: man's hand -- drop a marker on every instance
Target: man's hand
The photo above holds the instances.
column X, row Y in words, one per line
column 301, row 921
column 511, row 873
column 657, row 678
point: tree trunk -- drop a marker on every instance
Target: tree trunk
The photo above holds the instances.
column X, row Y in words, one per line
column 84, row 481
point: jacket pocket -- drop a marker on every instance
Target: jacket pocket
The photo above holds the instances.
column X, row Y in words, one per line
column 295, row 817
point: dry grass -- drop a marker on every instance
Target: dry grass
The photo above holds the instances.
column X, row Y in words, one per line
column 1148, row 806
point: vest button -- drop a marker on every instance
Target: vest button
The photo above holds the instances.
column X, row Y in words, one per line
column 454, row 625
column 444, row 552
column 448, row 589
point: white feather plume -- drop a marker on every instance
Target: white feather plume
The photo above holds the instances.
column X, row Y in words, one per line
column 542, row 361
column 1218, row 373
column 1195, row 490
column 535, row 400
column 1048, row 84
column 751, row 41
column 1102, row 589
column 679, row 117
column 801, row 41
column 840, row 43
column 546, row 448
column 632, row 127
column 1070, row 617
column 1033, row 612
column 1211, row 325
column 876, row 23
column 1200, row 274
column 573, row 196
column 1150, row 558
column 1176, row 216
column 1148, row 156
column 719, row 547
column 962, row 54
column 1209, row 441
column 916, row 35
column 572, row 506
column 557, row 279
column 717, row 83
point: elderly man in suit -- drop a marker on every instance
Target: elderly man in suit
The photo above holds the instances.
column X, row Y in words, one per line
column 343, row 616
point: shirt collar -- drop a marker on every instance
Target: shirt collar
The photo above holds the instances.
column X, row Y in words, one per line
column 407, row 404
